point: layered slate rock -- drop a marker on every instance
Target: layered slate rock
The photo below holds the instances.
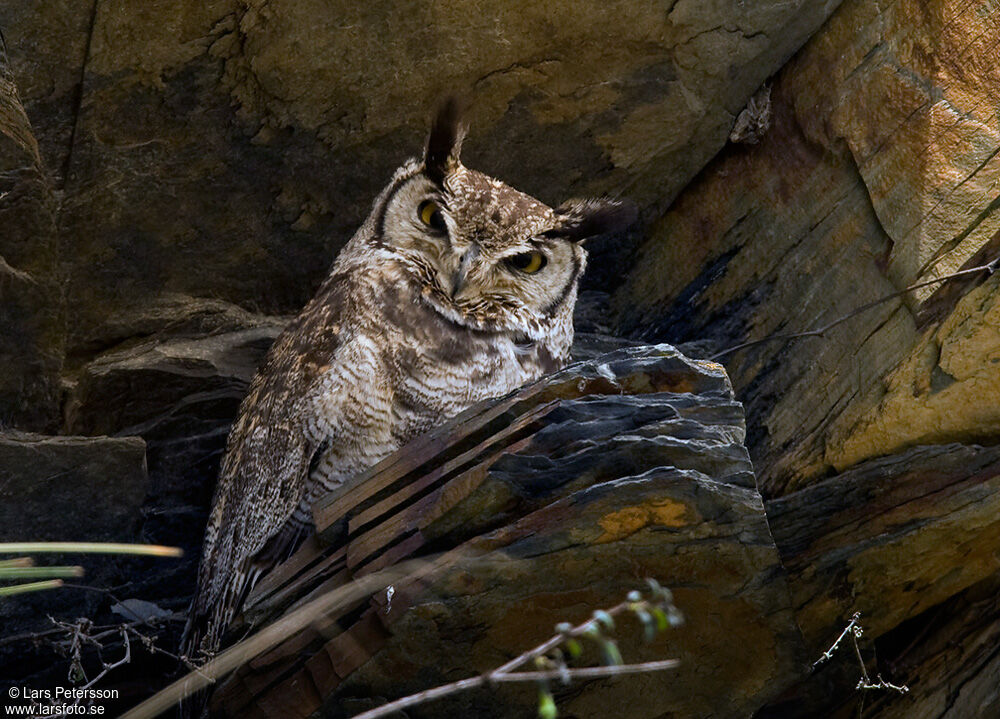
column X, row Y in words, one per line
column 912, row 542
column 880, row 170
column 228, row 149
column 890, row 538
column 179, row 390
column 549, row 503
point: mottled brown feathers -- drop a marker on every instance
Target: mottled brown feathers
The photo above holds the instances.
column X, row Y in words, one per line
column 582, row 219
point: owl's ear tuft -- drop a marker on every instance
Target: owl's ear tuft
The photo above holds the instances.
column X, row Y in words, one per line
column 580, row 219
column 444, row 144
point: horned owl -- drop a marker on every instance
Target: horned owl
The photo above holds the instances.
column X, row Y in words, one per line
column 457, row 288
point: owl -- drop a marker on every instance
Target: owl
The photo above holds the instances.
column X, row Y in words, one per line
column 456, row 288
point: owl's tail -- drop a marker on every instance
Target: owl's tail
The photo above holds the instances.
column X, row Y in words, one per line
column 208, row 619
column 217, row 601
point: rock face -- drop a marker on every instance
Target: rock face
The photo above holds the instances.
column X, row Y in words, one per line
column 555, row 498
column 179, row 391
column 227, row 149
column 176, row 177
column 87, row 489
column 31, row 329
column 880, row 171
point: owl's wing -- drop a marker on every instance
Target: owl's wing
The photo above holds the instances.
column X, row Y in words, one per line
column 265, row 470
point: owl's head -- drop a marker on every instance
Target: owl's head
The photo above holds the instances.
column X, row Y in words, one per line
column 487, row 256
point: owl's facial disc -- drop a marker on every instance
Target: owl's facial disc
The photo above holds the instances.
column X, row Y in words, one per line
column 485, row 255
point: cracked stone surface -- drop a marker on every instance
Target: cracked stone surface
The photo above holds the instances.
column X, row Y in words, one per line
column 881, row 170
column 228, row 149
column 176, row 176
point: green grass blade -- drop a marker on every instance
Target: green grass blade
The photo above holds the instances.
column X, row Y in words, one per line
column 19, row 562
column 32, row 587
column 154, row 550
column 39, row 572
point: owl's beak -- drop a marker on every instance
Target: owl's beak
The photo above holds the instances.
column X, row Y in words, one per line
column 458, row 279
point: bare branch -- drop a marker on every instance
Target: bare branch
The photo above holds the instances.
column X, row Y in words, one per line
column 883, row 684
column 589, row 672
column 828, row 654
column 564, row 632
column 856, row 631
column 550, row 644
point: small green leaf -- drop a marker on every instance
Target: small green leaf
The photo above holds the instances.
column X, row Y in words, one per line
column 665, row 595
column 662, row 622
column 574, row 648
column 546, row 705
column 604, row 618
column 610, row 655
column 591, row 630
column 648, row 625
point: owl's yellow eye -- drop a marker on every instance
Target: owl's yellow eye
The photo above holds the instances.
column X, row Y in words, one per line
column 430, row 215
column 527, row 262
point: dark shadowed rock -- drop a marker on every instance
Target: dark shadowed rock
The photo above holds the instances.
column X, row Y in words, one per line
column 179, row 390
column 66, row 489
column 70, row 488
column 31, row 321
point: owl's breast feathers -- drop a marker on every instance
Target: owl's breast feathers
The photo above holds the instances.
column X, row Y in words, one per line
column 366, row 366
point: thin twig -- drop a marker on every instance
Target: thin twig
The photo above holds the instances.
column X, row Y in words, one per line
column 105, row 668
column 989, row 268
column 589, row 672
column 856, row 631
column 506, row 673
column 861, row 662
column 828, row 654
column 883, row 684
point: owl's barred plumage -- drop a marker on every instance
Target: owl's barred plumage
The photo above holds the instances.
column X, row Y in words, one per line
column 457, row 288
